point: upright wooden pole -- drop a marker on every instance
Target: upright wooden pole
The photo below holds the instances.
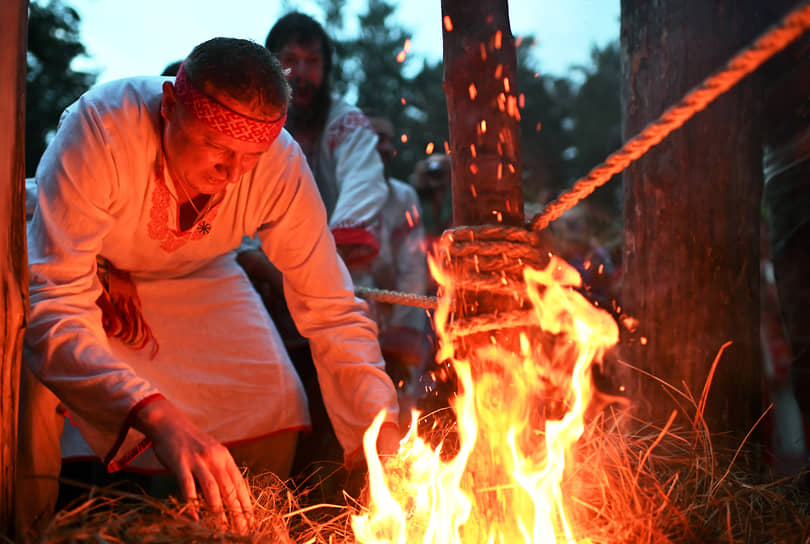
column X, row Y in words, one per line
column 482, row 103
column 692, row 212
column 14, row 306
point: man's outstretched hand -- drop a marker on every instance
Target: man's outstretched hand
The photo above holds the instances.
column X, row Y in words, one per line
column 197, row 459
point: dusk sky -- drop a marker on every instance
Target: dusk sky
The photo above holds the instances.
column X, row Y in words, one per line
column 124, row 41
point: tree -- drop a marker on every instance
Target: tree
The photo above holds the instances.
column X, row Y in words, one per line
column 51, row 83
column 416, row 106
column 595, row 111
column 544, row 138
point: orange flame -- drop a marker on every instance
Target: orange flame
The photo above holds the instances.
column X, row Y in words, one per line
column 502, row 485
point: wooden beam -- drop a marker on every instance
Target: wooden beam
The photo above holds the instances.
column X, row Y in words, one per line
column 14, row 306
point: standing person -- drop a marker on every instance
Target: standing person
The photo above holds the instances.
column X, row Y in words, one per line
column 337, row 139
column 401, row 265
column 340, row 147
column 143, row 328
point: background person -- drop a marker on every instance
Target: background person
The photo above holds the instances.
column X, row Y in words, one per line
column 340, row 147
column 401, row 266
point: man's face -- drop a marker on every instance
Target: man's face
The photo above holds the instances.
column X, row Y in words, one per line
column 205, row 159
column 305, row 63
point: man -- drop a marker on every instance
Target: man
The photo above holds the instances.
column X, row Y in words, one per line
column 340, row 147
column 400, row 266
column 144, row 329
column 337, row 139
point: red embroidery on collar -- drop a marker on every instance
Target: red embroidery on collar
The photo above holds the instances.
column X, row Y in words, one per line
column 158, row 228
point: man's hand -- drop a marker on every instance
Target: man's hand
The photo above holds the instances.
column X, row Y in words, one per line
column 194, row 456
column 388, row 441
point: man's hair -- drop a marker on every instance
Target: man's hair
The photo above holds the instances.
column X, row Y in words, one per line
column 171, row 68
column 242, row 69
column 296, row 27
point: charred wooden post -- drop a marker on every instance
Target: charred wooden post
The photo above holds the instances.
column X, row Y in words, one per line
column 489, row 247
column 14, row 307
column 692, row 212
column 482, row 102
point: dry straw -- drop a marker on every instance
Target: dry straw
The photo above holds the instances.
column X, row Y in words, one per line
column 628, row 481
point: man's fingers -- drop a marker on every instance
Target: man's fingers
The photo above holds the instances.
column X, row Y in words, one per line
column 242, row 493
column 188, row 492
column 231, row 496
column 210, row 490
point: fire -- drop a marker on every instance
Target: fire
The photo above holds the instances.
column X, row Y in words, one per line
column 519, row 411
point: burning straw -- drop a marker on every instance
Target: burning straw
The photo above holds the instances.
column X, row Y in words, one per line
column 630, row 482
column 490, row 469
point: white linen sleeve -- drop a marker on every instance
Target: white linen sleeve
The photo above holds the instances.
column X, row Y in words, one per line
column 67, row 345
column 320, row 296
column 361, row 186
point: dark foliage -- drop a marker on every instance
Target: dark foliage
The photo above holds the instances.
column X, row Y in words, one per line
column 51, row 83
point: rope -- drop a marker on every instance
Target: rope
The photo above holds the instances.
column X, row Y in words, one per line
column 773, row 40
column 770, row 42
column 394, row 297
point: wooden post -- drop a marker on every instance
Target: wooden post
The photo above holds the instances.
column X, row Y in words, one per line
column 490, row 245
column 14, row 307
column 692, row 212
column 482, row 103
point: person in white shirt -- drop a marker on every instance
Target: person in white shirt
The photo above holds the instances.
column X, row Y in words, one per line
column 144, row 330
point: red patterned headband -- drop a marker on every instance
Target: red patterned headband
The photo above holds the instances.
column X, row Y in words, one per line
column 222, row 119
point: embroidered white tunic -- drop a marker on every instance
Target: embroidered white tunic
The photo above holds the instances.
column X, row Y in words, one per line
column 220, row 358
column 349, row 174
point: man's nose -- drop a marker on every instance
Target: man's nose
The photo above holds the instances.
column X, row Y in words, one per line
column 228, row 168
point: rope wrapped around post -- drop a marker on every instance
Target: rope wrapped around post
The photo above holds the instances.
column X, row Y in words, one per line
column 485, row 266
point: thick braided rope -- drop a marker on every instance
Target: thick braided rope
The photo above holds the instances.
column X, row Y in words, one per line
column 491, row 259
column 490, row 248
column 773, row 40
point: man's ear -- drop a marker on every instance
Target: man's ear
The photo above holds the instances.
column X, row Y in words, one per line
column 169, row 101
